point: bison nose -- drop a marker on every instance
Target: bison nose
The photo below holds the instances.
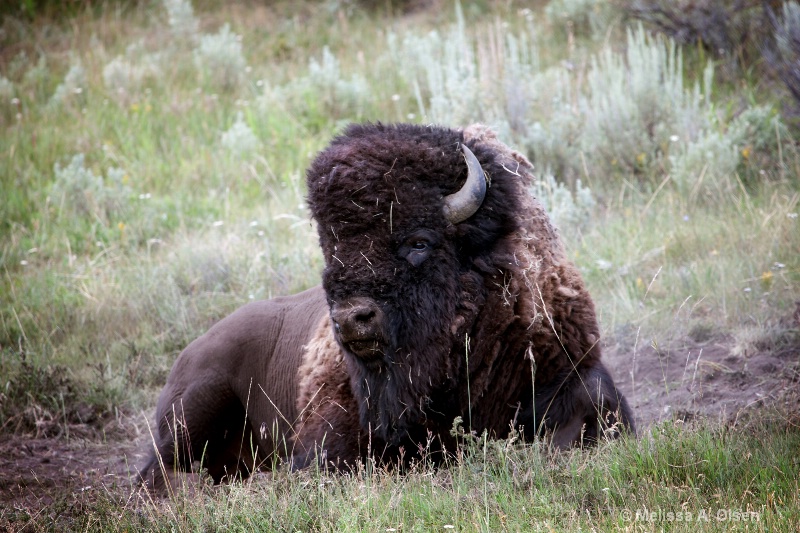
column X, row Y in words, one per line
column 356, row 319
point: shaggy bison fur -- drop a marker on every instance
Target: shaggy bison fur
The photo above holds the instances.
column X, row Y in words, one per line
column 446, row 293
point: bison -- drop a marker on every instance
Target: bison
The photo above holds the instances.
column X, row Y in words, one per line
column 446, row 293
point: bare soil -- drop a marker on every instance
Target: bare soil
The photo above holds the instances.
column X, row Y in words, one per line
column 55, row 478
column 705, row 379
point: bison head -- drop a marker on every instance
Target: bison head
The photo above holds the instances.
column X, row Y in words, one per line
column 405, row 220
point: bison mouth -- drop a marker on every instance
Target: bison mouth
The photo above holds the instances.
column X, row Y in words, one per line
column 365, row 349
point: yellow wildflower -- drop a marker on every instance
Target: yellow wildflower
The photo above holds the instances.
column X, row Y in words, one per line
column 766, row 279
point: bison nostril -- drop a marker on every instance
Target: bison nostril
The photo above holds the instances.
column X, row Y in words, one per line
column 364, row 314
column 356, row 319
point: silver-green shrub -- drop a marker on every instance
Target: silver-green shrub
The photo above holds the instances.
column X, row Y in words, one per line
column 77, row 191
column 630, row 114
column 6, row 89
column 121, row 75
column 459, row 79
column 553, row 131
column 73, row 84
column 239, row 139
column 758, row 129
column 219, row 59
column 182, row 22
column 325, row 78
column 325, row 88
column 569, row 212
column 36, row 77
column 711, row 155
column 720, row 153
column 636, row 102
column 125, row 75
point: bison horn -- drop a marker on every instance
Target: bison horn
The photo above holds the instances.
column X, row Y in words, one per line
column 461, row 205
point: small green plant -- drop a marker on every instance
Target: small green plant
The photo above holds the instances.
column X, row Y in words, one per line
column 459, row 78
column 39, row 400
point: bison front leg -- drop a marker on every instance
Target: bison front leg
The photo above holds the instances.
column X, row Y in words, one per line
column 581, row 408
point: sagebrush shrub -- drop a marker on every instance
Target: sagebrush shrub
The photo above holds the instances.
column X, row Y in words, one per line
column 6, row 89
column 126, row 75
column 182, row 22
column 77, row 191
column 120, row 74
column 459, row 79
column 335, row 91
column 73, row 84
column 552, row 138
column 219, row 59
column 712, row 154
column 323, row 90
column 636, row 102
column 569, row 212
column 239, row 139
column 745, row 148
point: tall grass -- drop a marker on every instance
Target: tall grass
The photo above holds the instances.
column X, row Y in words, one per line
column 707, row 479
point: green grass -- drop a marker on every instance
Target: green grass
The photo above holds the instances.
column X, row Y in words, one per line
column 101, row 287
column 674, row 477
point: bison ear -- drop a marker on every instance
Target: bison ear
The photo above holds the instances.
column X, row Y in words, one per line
column 461, row 205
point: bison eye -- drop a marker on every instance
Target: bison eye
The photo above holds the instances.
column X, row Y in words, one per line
column 418, row 246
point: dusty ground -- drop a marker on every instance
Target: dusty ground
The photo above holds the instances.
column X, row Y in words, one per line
column 705, row 379
column 700, row 377
column 57, row 477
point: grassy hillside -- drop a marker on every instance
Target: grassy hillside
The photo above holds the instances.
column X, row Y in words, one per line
column 152, row 180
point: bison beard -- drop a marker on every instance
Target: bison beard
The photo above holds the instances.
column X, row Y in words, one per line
column 443, row 297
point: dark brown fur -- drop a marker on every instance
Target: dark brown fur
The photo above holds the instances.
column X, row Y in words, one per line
column 485, row 319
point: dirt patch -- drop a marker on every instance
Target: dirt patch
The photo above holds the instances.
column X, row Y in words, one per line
column 44, row 480
column 52, row 479
column 704, row 378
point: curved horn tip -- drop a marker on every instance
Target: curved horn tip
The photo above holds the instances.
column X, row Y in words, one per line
column 462, row 204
